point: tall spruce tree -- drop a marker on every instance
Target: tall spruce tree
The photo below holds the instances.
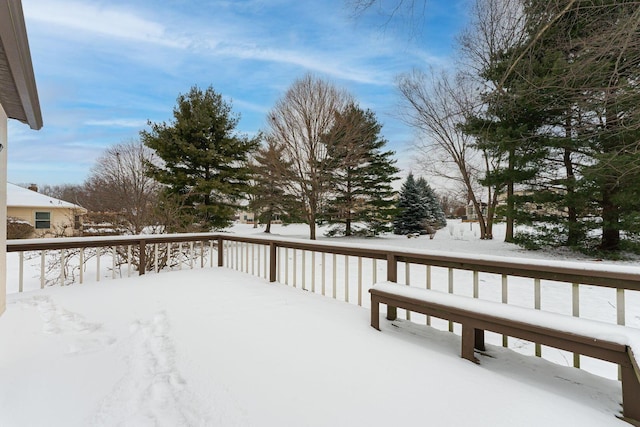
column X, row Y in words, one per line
column 205, row 168
column 360, row 174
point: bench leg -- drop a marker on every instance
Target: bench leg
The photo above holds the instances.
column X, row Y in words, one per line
column 375, row 313
column 630, row 395
column 479, row 339
column 468, row 342
column 392, row 312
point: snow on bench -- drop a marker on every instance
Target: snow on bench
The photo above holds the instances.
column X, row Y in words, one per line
column 613, row 343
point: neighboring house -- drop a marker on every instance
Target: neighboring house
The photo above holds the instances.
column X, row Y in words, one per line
column 530, row 207
column 244, row 217
column 471, row 211
column 48, row 216
column 18, row 100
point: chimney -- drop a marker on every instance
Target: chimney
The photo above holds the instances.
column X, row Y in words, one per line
column 33, row 187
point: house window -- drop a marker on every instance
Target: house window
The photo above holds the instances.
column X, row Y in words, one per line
column 77, row 223
column 43, row 220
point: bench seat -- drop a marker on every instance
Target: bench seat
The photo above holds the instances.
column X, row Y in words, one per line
column 613, row 343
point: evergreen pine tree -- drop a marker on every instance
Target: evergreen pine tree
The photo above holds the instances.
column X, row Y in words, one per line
column 508, row 128
column 270, row 199
column 360, row 174
column 204, row 167
column 382, row 205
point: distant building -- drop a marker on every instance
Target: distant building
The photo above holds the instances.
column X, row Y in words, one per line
column 18, row 101
column 529, row 207
column 471, row 214
column 245, row 217
column 48, row 216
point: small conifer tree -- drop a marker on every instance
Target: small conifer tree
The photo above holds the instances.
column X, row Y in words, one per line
column 434, row 215
column 411, row 209
column 418, row 207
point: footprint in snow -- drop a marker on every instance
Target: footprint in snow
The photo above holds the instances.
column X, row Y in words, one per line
column 56, row 320
column 152, row 392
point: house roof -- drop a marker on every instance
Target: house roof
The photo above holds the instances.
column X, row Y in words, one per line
column 18, row 92
column 24, row 198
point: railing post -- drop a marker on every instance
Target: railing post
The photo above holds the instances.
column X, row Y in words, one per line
column 81, row 273
column 114, row 250
column 220, row 252
column 98, row 254
column 392, row 276
column 62, row 260
column 575, row 311
column 273, row 264
column 142, row 264
column 42, row 261
column 392, row 268
column 155, row 257
column 21, row 274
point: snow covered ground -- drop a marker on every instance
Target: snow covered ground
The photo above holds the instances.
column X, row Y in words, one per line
column 218, row 347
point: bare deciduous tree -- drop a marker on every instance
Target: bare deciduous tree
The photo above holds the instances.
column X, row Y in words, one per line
column 297, row 123
column 496, row 27
column 403, row 11
column 119, row 183
column 437, row 106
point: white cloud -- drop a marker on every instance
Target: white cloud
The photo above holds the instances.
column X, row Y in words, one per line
column 99, row 19
column 237, row 38
column 128, row 123
column 334, row 66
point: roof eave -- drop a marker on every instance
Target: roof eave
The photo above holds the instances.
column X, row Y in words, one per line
column 13, row 36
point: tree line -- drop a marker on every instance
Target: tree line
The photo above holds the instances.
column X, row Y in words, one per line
column 539, row 122
column 321, row 159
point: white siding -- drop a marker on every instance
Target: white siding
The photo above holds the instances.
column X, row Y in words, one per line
column 3, row 211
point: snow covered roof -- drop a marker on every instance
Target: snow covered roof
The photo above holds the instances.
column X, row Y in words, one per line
column 22, row 197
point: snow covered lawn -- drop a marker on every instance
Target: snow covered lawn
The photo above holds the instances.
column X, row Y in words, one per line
column 219, row 347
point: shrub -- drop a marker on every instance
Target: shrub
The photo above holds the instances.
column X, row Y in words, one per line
column 18, row 228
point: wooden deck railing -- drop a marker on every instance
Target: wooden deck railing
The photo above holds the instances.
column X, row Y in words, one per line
column 346, row 271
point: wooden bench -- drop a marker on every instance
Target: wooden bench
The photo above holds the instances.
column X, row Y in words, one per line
column 609, row 342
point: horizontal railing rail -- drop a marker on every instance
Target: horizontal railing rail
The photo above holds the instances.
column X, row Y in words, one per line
column 24, row 245
column 608, row 276
column 546, row 270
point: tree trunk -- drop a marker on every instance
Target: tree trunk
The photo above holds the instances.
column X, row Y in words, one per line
column 267, row 228
column 349, row 205
column 491, row 212
column 508, row 237
column 609, row 187
column 610, row 219
column 573, row 229
column 481, row 220
column 311, row 218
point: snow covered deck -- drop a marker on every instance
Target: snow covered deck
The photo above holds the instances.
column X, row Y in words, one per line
column 220, row 347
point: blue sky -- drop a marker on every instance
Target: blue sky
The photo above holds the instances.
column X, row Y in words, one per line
column 104, row 68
